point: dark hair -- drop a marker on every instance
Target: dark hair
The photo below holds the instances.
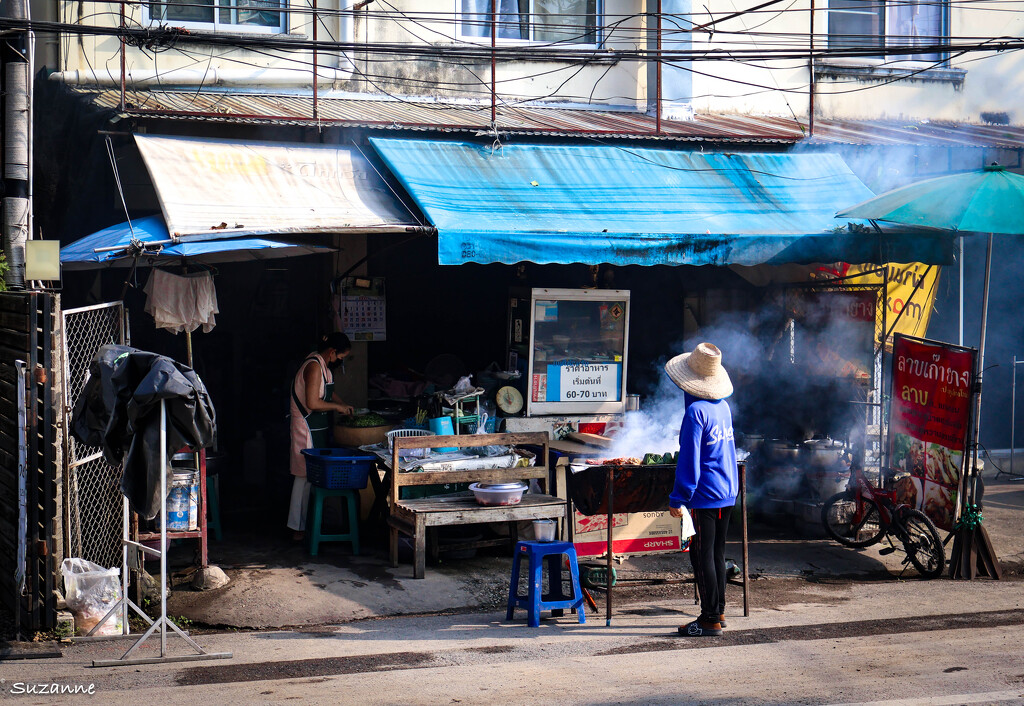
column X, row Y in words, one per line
column 336, row 340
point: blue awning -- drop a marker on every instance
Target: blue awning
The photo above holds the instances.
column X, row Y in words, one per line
column 148, row 238
column 637, row 206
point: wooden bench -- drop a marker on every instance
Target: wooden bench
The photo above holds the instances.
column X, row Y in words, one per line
column 413, row 516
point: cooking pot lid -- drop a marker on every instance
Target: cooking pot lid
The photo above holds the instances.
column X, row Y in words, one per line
column 823, row 444
column 501, row 486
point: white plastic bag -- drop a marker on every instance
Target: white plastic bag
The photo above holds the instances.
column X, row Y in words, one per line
column 687, row 530
column 90, row 592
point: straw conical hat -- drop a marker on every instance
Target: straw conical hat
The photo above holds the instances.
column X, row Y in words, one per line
column 701, row 373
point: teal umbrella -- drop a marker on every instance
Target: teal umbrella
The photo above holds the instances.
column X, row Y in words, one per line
column 988, row 200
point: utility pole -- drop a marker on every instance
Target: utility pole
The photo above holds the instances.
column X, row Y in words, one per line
column 14, row 52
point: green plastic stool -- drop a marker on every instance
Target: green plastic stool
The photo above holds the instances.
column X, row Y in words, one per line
column 213, row 504
column 315, row 516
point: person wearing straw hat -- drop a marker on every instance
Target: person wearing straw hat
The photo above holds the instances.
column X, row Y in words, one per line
column 707, row 479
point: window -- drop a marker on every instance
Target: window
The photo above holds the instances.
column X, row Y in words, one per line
column 239, row 15
column 893, row 23
column 567, row 21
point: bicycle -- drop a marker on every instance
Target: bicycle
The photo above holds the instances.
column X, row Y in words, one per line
column 863, row 515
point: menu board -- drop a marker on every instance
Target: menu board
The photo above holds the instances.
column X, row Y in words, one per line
column 583, row 381
column 929, row 415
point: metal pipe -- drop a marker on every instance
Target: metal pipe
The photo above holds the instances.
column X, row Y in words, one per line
column 658, row 84
column 163, row 528
column 1013, row 410
column 608, row 580
column 122, row 53
column 971, row 491
column 960, row 319
column 316, row 21
column 213, row 76
column 21, row 567
column 494, row 47
column 810, row 81
column 746, row 554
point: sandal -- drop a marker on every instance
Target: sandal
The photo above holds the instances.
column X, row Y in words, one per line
column 696, row 629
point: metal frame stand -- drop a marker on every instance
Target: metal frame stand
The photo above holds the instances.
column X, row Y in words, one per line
column 162, row 622
column 1013, row 418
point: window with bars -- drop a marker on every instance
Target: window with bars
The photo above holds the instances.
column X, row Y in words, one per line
column 235, row 15
column 888, row 23
column 540, row 21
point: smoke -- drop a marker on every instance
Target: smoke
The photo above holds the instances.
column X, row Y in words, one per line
column 794, row 360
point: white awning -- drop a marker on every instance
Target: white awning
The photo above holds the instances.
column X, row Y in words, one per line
column 213, row 188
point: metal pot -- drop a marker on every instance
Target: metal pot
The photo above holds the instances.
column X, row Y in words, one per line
column 782, row 451
column 822, row 454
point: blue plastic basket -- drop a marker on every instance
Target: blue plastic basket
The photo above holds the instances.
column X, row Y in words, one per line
column 335, row 469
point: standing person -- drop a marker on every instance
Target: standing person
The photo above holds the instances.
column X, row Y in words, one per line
column 707, row 479
column 312, row 400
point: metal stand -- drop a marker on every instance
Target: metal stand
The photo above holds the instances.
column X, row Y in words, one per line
column 162, row 622
column 1013, row 418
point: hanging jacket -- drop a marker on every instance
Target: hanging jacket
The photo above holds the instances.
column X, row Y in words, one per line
column 119, row 407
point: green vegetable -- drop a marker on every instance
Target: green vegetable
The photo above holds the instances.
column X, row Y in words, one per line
column 365, row 420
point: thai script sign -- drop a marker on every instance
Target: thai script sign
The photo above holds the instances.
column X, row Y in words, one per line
column 929, row 415
column 900, row 297
column 584, row 382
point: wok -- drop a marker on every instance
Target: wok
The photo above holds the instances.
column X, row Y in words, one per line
column 637, row 488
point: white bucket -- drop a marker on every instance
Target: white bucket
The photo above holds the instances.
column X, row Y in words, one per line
column 544, row 530
column 183, row 502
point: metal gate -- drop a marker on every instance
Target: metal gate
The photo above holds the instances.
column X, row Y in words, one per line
column 92, row 507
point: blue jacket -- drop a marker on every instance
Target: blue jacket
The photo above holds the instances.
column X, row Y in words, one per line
column 706, row 474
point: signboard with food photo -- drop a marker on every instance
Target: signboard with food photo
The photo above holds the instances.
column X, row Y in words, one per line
column 931, row 407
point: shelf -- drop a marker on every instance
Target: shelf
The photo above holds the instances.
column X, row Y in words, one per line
column 177, row 534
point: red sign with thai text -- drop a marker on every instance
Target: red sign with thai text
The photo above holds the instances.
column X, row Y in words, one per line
column 930, row 410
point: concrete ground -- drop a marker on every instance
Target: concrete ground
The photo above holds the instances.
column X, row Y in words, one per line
column 275, row 583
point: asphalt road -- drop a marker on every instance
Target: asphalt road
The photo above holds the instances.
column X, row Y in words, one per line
column 920, row 642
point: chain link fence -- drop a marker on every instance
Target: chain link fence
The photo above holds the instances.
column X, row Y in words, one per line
column 93, row 501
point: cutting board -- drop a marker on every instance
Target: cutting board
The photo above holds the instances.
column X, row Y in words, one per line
column 602, row 442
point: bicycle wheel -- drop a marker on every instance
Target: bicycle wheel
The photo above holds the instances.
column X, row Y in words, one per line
column 839, row 515
column 923, row 545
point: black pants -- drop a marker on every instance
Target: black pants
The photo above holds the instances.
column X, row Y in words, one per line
column 707, row 555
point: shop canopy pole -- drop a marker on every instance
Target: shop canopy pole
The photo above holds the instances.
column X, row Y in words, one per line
column 608, row 579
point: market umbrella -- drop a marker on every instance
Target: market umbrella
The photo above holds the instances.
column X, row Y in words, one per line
column 146, row 242
column 988, row 200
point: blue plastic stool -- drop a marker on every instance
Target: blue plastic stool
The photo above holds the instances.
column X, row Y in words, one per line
column 533, row 601
column 315, row 515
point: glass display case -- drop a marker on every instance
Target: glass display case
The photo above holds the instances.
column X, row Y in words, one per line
column 570, row 346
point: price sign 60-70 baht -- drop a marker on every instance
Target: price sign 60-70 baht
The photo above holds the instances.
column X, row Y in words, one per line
column 584, row 382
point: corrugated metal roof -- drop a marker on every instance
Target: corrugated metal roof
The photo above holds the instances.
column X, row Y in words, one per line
column 410, row 115
column 266, row 109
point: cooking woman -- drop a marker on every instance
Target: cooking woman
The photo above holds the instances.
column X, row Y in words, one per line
column 312, row 400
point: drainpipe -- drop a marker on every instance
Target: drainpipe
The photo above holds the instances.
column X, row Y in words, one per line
column 17, row 117
column 810, row 83
column 142, row 78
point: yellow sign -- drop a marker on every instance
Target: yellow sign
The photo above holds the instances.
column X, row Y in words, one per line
column 916, row 306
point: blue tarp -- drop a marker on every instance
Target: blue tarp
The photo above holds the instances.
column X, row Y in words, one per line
column 638, row 206
column 81, row 255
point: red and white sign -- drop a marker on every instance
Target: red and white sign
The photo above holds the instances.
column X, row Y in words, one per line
column 929, row 415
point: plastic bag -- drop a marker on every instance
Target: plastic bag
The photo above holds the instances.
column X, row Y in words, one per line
column 481, row 428
column 687, row 530
column 90, row 592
